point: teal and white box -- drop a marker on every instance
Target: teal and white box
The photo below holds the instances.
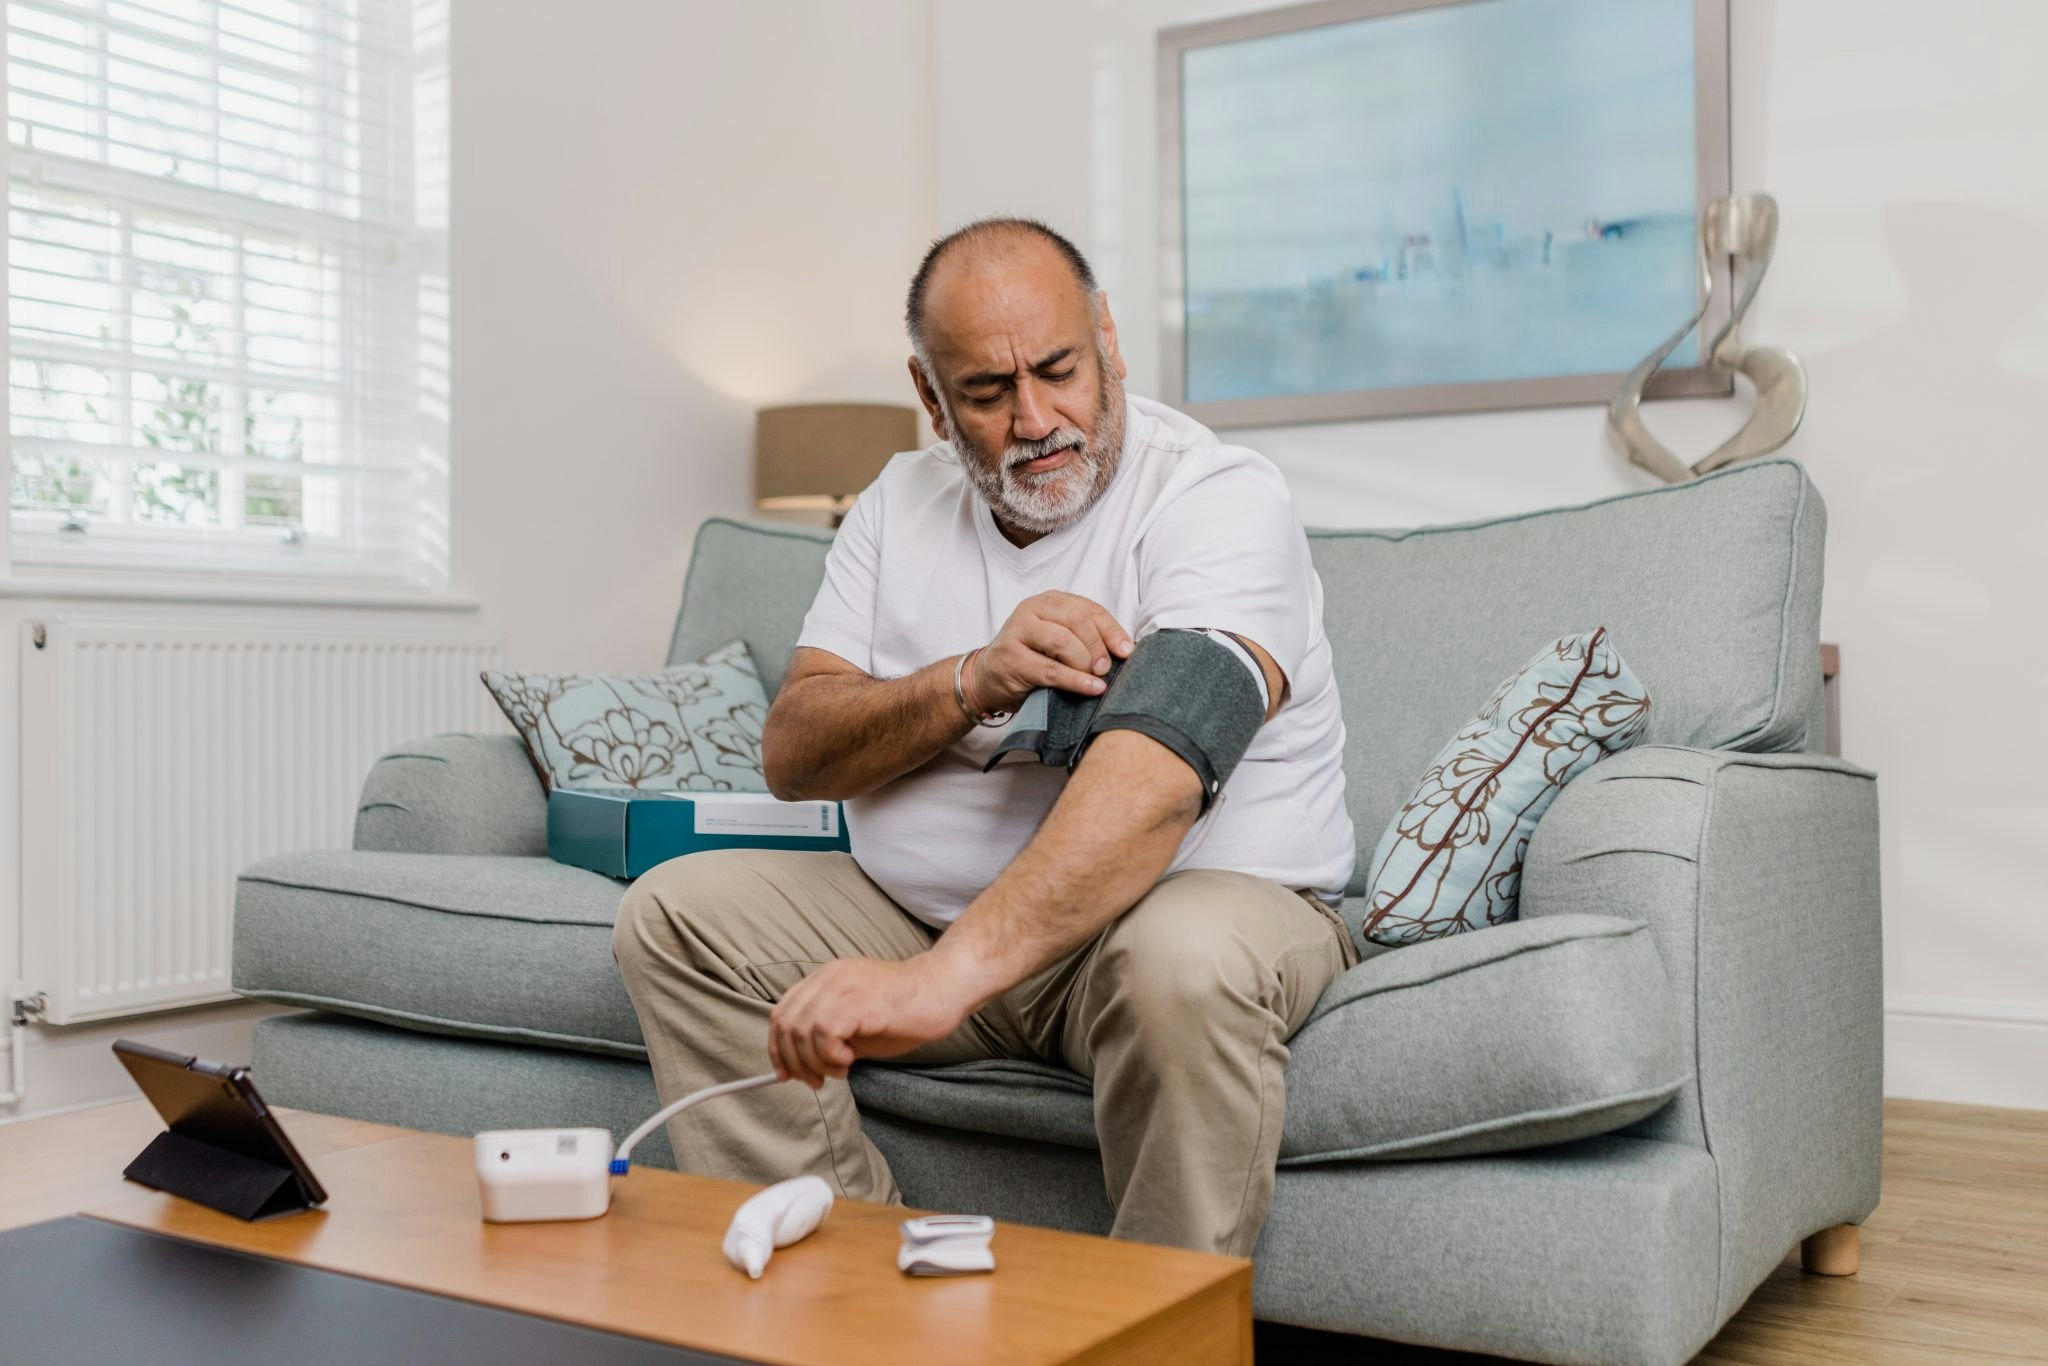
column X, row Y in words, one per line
column 622, row 832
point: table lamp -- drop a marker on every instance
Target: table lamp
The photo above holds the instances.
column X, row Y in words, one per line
column 817, row 457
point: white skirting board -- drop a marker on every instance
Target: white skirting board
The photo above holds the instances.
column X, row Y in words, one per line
column 75, row 1067
column 1969, row 1052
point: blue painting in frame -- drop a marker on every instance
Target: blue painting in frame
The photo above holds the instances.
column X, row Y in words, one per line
column 1380, row 208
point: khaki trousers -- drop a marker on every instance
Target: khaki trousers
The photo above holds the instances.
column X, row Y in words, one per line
column 1180, row 1011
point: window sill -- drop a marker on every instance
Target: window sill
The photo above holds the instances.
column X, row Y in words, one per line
column 239, row 591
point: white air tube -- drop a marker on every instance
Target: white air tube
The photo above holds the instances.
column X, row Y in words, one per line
column 623, row 1158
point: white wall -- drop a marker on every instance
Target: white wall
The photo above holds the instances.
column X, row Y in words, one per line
column 664, row 216
column 1902, row 142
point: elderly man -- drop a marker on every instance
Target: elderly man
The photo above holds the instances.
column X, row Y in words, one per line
column 1126, row 918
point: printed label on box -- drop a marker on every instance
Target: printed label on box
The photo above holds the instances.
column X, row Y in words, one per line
column 750, row 813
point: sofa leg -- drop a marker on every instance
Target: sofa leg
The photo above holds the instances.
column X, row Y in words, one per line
column 1833, row 1251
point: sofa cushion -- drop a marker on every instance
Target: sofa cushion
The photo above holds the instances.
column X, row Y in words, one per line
column 1529, row 1033
column 454, row 794
column 692, row 727
column 1451, row 858
column 490, row 947
column 1535, row 1032
column 1033, row 1100
column 1532, row 1033
column 753, row 582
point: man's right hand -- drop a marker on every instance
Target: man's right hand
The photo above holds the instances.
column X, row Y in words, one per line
column 1060, row 640
column 836, row 732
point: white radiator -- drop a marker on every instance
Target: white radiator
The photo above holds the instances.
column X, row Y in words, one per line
column 158, row 761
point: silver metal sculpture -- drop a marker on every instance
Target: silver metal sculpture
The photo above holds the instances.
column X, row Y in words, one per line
column 1744, row 227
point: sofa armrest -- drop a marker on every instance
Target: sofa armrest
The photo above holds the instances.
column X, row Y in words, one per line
column 454, row 794
column 1758, row 876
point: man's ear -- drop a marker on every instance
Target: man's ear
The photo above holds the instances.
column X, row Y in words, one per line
column 1108, row 330
column 929, row 397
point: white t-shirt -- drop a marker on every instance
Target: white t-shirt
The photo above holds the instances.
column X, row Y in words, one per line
column 1190, row 532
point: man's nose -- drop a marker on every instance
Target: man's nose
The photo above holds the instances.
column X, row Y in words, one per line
column 1032, row 418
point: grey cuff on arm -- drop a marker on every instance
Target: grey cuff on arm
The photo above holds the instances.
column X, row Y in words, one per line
column 1185, row 689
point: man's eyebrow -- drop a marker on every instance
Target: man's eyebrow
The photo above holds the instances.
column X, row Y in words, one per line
column 1004, row 376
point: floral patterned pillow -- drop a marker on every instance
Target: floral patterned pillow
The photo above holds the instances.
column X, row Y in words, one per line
column 1451, row 859
column 692, row 728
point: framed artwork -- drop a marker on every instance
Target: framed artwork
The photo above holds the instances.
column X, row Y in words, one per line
column 1380, row 207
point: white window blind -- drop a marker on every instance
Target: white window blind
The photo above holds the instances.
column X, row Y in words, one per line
column 227, row 285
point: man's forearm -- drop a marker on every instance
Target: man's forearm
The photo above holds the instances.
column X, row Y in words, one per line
column 831, row 736
column 1105, row 844
column 1108, row 838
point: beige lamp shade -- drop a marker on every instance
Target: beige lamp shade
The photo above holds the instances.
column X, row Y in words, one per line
column 817, row 457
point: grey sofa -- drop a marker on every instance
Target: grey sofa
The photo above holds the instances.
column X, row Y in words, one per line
column 1582, row 1137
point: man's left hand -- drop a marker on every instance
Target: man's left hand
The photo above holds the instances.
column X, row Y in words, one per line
column 861, row 1008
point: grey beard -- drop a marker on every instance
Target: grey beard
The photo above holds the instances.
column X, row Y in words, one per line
column 1042, row 504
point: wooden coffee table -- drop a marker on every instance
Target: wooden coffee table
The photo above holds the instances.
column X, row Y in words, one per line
column 402, row 1209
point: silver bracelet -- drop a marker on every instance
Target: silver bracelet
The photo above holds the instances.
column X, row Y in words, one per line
column 990, row 719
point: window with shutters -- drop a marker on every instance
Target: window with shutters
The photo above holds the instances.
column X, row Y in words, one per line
column 228, row 317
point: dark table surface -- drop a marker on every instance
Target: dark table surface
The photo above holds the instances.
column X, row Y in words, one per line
column 78, row 1292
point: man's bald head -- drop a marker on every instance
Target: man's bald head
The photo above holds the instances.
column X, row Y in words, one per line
column 982, row 240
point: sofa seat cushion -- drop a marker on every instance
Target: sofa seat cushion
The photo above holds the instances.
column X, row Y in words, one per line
column 1532, row 1033
column 1033, row 1100
column 488, row 947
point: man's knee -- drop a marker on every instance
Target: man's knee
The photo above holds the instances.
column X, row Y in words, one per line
column 655, row 911
column 1175, row 958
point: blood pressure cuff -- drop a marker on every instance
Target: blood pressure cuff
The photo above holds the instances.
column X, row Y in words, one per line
column 1186, row 689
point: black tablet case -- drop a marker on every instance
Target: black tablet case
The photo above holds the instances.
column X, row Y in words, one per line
column 219, row 1178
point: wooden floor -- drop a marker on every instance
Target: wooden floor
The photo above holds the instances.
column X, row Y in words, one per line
column 1955, row 1264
